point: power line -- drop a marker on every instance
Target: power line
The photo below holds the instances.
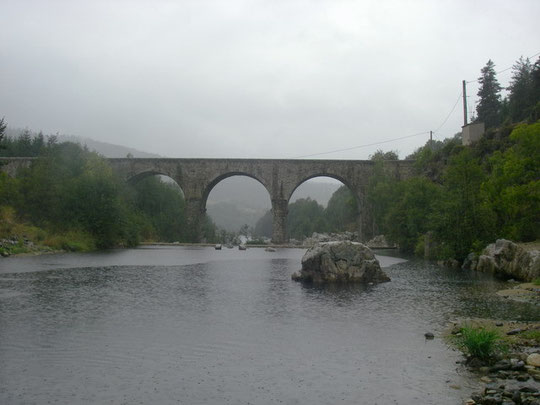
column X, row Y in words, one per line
column 407, row 136
column 361, row 146
column 450, row 113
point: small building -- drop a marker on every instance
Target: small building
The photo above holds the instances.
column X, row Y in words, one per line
column 471, row 133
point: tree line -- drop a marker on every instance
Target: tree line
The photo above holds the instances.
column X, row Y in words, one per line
column 73, row 196
column 522, row 101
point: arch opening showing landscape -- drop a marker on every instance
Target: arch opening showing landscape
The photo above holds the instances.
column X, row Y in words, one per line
column 280, row 177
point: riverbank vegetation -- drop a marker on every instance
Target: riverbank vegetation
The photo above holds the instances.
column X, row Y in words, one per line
column 71, row 199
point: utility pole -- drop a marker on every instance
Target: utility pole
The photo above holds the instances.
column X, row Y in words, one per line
column 464, row 103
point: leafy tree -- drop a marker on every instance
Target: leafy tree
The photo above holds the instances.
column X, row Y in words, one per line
column 163, row 206
column 381, row 155
column 514, row 185
column 341, row 211
column 464, row 220
column 407, row 218
column 520, row 99
column 489, row 106
column 305, row 217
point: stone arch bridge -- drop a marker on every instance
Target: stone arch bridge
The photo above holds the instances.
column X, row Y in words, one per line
column 280, row 177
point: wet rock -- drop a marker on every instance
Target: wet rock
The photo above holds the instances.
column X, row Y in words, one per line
column 514, row 332
column 533, row 359
column 343, row 261
column 506, row 259
column 501, row 365
column 270, row 249
column 429, row 335
column 470, row 262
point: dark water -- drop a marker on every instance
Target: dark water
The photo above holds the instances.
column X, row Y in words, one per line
column 199, row 326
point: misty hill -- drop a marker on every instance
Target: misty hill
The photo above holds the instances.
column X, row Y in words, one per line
column 103, row 148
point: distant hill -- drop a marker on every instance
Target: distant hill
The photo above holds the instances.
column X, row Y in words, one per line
column 105, row 149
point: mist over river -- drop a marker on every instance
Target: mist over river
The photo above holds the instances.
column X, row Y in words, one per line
column 192, row 325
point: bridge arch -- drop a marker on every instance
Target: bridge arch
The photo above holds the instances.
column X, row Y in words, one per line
column 136, row 177
column 337, row 177
column 254, row 199
column 344, row 181
column 210, row 185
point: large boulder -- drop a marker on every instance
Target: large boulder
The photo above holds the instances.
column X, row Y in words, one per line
column 340, row 261
column 505, row 258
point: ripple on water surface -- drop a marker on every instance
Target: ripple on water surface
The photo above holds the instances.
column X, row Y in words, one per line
column 127, row 327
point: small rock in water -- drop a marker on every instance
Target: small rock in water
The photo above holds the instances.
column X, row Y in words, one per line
column 429, row 335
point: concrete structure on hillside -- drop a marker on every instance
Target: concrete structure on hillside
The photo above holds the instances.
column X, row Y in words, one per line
column 471, row 133
column 280, row 177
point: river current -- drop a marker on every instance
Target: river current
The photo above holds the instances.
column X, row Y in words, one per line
column 191, row 325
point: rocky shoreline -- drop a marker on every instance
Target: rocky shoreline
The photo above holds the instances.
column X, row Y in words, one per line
column 511, row 376
column 14, row 246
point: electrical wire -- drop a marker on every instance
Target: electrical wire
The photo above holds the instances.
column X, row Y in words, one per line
column 450, row 113
column 407, row 136
column 360, row 146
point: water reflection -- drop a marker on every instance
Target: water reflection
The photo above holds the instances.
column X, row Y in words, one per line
column 200, row 326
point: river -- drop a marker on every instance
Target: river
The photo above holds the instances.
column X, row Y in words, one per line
column 192, row 325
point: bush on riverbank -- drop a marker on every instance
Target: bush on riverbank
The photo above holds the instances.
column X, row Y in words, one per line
column 480, row 343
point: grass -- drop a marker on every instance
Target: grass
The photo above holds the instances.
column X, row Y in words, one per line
column 12, row 227
column 479, row 342
column 73, row 241
column 532, row 334
column 536, row 281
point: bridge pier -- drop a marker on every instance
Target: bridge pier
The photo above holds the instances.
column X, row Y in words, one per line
column 194, row 216
column 280, row 209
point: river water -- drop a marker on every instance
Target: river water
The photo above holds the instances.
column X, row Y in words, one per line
column 187, row 325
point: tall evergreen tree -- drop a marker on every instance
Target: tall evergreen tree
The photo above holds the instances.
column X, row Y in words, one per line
column 3, row 126
column 535, row 90
column 489, row 106
column 520, row 97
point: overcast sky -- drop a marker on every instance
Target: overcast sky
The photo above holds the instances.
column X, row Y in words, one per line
column 266, row 79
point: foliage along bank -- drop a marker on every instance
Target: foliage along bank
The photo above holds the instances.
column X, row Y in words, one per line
column 76, row 201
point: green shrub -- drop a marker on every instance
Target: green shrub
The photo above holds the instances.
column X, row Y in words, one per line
column 536, row 281
column 479, row 342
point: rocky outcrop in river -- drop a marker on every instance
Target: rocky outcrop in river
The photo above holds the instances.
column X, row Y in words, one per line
column 340, row 261
column 507, row 259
